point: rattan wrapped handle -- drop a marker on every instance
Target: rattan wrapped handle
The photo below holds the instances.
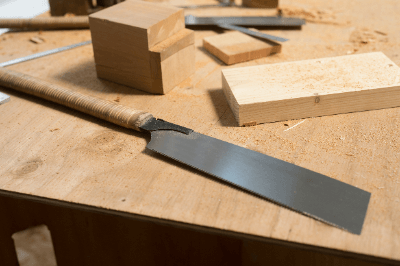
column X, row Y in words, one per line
column 79, row 22
column 107, row 110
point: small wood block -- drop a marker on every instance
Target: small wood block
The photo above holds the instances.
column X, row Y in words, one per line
column 173, row 60
column 170, row 62
column 311, row 88
column 261, row 3
column 236, row 47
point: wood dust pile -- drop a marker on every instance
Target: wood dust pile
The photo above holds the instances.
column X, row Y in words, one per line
column 310, row 15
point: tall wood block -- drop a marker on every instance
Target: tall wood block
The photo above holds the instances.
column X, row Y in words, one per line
column 139, row 44
column 310, row 88
column 169, row 63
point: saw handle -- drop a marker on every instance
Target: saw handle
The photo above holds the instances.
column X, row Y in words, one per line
column 78, row 22
column 106, row 110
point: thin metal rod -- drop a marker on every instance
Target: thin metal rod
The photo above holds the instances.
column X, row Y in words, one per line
column 253, row 33
column 41, row 54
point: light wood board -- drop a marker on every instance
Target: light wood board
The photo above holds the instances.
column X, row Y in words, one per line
column 236, row 47
column 52, row 152
column 310, row 88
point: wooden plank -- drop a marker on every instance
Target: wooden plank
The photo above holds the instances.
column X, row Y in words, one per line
column 311, row 88
column 236, row 47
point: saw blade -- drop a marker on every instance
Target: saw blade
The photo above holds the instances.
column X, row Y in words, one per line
column 297, row 188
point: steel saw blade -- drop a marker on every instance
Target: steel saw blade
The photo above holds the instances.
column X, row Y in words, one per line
column 297, row 188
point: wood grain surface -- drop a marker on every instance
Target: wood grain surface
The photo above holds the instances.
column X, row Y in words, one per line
column 310, row 88
column 53, row 152
column 236, row 47
column 151, row 23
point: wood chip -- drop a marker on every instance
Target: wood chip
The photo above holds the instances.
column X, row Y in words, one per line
column 37, row 40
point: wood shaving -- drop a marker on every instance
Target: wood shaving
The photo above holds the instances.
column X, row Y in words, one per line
column 295, row 125
column 37, row 40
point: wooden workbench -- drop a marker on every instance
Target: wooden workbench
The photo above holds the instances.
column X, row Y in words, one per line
column 107, row 200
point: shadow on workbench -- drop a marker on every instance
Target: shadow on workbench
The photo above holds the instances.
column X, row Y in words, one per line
column 221, row 107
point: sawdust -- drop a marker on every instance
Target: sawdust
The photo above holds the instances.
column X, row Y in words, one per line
column 310, row 15
column 365, row 36
column 187, row 83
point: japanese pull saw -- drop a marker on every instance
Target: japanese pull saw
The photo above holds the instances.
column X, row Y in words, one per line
column 297, row 188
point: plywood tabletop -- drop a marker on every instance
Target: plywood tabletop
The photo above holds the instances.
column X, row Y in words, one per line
column 54, row 152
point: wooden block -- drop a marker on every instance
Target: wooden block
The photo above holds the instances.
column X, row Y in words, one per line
column 260, row 3
column 173, row 60
column 143, row 45
column 123, row 34
column 235, row 47
column 76, row 7
column 135, row 24
column 310, row 88
column 170, row 62
column 128, row 78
